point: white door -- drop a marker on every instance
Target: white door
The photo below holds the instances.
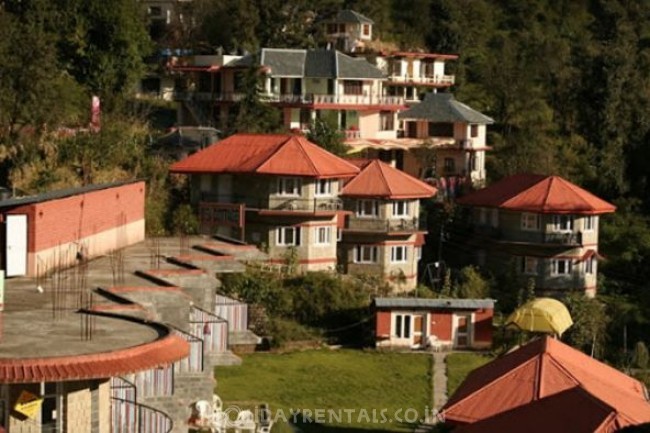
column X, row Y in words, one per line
column 16, row 245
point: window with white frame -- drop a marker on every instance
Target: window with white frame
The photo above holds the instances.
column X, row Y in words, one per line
column 402, row 326
column 418, row 253
column 563, row 223
column 400, row 209
column 323, row 187
column 529, row 265
column 288, row 236
column 322, row 235
column 590, row 266
column 529, row 221
column 367, row 208
column 589, row 223
column 365, row 254
column 561, row 266
column 399, row 254
column 339, row 235
column 386, row 121
column 289, row 186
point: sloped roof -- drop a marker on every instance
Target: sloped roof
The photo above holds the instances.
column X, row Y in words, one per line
column 271, row 154
column 438, row 303
column 350, row 16
column 540, row 194
column 443, row 107
column 542, row 369
column 284, row 62
column 378, row 179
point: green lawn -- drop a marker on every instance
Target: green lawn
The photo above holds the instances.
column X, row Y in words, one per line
column 459, row 365
column 355, row 380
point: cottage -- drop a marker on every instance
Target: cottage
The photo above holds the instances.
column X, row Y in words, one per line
column 436, row 323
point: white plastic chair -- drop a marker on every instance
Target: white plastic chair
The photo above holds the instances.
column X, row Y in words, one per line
column 217, row 404
column 434, row 343
column 245, row 421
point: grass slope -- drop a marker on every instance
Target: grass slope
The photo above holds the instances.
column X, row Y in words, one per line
column 326, row 379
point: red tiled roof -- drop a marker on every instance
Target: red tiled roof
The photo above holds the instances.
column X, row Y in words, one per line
column 163, row 351
column 273, row 154
column 378, row 179
column 542, row 369
column 538, row 193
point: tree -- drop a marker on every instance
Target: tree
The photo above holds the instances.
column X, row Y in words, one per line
column 471, row 284
column 251, row 114
column 325, row 133
column 589, row 330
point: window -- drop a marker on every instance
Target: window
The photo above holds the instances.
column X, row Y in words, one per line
column 563, row 223
column 482, row 216
column 403, row 326
column 400, row 208
column 437, row 129
column 561, row 266
column 323, row 187
column 418, row 253
column 323, row 235
column 288, row 236
column 450, row 165
column 339, row 235
column 289, row 186
column 494, row 217
column 155, row 11
column 399, row 254
column 366, row 29
column 365, row 254
column 386, row 121
column 590, row 266
column 367, row 208
column 589, row 223
column 352, row 87
column 473, row 131
column 332, row 28
column 529, row 221
column 529, row 265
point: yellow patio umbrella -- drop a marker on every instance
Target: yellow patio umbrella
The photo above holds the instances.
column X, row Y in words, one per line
column 542, row 315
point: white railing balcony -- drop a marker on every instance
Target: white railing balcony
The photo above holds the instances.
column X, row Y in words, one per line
column 438, row 80
column 357, row 100
column 352, row 134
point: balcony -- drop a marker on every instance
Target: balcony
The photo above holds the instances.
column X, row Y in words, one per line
column 435, row 80
column 307, row 99
column 559, row 238
column 378, row 225
column 352, row 134
column 276, row 202
column 568, row 239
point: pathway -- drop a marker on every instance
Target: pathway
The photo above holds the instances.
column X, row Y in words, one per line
column 439, row 392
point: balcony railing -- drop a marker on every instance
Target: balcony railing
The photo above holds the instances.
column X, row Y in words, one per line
column 383, row 225
column 278, row 202
column 568, row 238
column 440, row 80
column 307, row 99
column 128, row 416
column 538, row 237
column 352, row 134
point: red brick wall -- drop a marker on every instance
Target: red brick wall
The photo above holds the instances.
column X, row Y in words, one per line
column 441, row 324
column 56, row 222
column 383, row 323
column 483, row 325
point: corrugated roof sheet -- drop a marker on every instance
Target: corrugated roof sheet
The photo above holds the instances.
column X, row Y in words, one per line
column 541, row 369
column 443, row 107
column 352, row 17
column 439, row 303
column 284, row 62
column 61, row 193
column 539, row 194
column 378, row 179
column 270, row 154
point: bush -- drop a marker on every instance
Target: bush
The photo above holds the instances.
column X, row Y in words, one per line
column 284, row 330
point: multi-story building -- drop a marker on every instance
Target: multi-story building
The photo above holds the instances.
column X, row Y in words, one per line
column 382, row 233
column 302, row 84
column 277, row 191
column 349, row 31
column 284, row 193
column 544, row 226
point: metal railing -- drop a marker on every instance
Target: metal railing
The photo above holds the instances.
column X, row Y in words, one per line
column 211, row 328
column 445, row 80
column 276, row 202
column 383, row 225
column 193, row 363
column 129, row 416
column 306, row 99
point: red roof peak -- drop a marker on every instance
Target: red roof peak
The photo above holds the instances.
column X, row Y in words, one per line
column 270, row 154
column 538, row 372
column 540, row 194
column 378, row 179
